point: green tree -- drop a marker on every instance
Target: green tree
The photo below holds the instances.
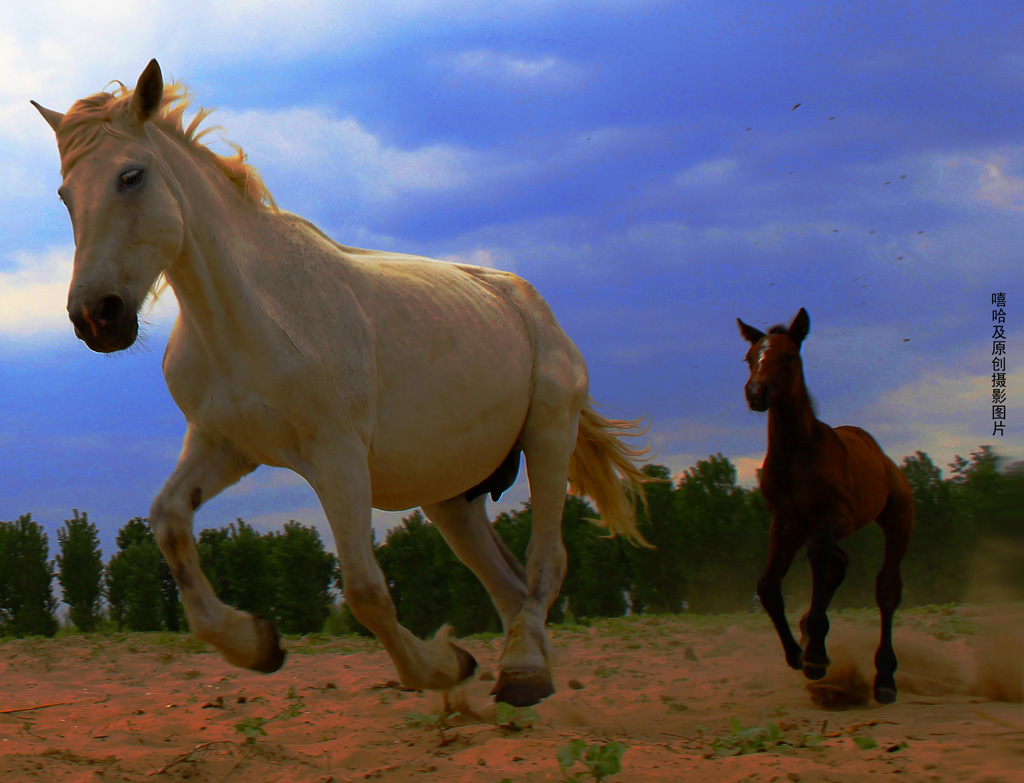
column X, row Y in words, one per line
column 418, row 589
column 305, row 572
column 239, row 563
column 27, row 604
column 80, row 570
column 657, row 581
column 140, row 590
column 724, row 539
column 935, row 570
column 596, row 573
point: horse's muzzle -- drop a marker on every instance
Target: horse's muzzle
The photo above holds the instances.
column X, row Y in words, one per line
column 108, row 325
column 757, row 397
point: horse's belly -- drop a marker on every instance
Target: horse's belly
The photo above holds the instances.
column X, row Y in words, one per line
column 445, row 445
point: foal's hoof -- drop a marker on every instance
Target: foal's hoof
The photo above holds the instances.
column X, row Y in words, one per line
column 885, row 695
column 523, row 689
column 815, row 671
column 269, row 657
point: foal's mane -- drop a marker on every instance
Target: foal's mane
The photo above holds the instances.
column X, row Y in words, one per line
column 105, row 112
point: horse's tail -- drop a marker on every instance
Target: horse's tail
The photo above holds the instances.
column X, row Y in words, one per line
column 602, row 466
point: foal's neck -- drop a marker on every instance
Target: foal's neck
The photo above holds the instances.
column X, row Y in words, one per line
column 791, row 422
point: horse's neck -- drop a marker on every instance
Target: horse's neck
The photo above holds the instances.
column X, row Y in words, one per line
column 224, row 238
column 791, row 424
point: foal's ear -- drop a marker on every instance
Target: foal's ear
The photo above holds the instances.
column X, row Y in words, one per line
column 52, row 117
column 799, row 327
column 149, row 93
column 750, row 334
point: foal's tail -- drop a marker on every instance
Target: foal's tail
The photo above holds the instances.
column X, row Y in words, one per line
column 601, row 467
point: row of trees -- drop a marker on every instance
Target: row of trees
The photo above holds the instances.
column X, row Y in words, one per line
column 711, row 542
column 286, row 576
column 710, row 537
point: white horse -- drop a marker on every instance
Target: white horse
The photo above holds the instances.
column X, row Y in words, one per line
column 384, row 380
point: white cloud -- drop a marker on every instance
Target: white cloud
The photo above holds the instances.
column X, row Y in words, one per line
column 943, row 412
column 543, row 73
column 266, row 479
column 310, row 143
column 33, row 297
column 709, row 174
column 996, row 186
column 486, row 257
column 59, row 50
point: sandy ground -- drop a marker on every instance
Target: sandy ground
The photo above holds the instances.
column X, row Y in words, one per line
column 693, row 699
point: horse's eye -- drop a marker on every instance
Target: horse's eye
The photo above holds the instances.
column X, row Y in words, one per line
column 131, row 178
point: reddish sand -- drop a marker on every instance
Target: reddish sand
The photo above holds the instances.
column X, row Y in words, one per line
column 151, row 707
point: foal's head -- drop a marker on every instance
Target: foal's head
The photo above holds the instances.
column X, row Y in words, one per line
column 125, row 198
column 776, row 371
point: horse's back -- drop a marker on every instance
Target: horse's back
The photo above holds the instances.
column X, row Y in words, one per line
column 460, row 353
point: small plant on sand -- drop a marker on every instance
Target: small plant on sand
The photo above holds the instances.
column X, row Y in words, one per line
column 516, row 718
column 747, row 739
column 758, row 739
column 600, row 760
column 440, row 721
column 253, row 727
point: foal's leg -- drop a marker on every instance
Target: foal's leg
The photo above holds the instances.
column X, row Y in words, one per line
column 897, row 523
column 548, row 440
column 468, row 531
column 828, row 567
column 342, row 482
column 781, row 552
column 835, row 574
column 207, row 465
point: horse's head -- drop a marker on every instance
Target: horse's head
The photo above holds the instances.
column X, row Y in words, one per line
column 774, row 360
column 127, row 223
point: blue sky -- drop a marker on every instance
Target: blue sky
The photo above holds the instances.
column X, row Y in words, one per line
column 641, row 163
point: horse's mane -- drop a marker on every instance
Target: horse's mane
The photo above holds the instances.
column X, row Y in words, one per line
column 779, row 329
column 85, row 122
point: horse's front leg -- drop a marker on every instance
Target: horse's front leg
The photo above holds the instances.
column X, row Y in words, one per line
column 207, row 465
column 341, row 480
column 782, row 550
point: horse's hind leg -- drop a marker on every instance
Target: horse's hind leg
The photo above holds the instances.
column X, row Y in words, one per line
column 341, row 479
column 897, row 523
column 828, row 567
column 769, row 589
column 208, row 465
column 468, row 531
column 548, row 439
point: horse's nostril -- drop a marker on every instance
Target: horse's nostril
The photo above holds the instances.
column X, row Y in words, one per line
column 110, row 309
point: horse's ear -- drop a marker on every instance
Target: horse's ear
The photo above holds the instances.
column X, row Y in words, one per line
column 799, row 327
column 750, row 334
column 52, row 117
column 149, row 93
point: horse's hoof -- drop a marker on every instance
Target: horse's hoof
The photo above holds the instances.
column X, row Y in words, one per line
column 885, row 695
column 815, row 671
column 523, row 689
column 467, row 663
column 270, row 657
